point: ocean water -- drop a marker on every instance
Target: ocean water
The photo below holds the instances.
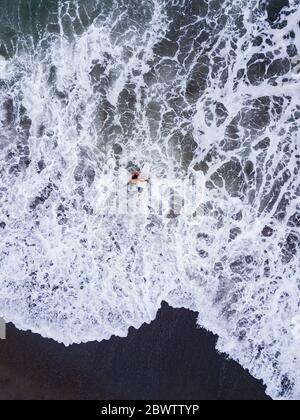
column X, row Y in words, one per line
column 205, row 92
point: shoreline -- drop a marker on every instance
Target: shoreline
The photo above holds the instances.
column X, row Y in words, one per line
column 168, row 359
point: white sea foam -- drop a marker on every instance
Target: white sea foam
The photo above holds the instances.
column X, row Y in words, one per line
column 80, row 112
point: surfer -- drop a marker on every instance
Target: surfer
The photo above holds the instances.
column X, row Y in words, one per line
column 139, row 180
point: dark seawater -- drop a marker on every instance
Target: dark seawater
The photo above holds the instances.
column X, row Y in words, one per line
column 205, row 93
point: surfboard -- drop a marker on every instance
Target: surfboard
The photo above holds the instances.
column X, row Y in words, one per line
column 145, row 172
column 2, row 65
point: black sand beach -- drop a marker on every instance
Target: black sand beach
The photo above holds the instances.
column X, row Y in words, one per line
column 168, row 359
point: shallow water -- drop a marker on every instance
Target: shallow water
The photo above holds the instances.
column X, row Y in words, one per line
column 207, row 93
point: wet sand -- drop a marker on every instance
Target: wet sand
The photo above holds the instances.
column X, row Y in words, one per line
column 168, row 359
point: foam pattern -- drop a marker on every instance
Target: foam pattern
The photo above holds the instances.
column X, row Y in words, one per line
column 196, row 89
